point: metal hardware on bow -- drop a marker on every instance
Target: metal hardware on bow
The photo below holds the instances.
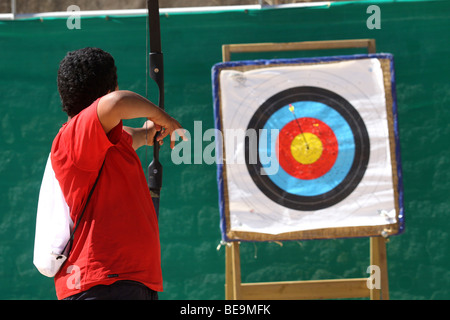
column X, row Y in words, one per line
column 156, row 71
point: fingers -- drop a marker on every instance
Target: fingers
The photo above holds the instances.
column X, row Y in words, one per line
column 164, row 133
column 150, row 124
column 181, row 133
column 170, row 127
column 150, row 131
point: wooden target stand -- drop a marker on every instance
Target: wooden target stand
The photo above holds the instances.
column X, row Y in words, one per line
column 312, row 289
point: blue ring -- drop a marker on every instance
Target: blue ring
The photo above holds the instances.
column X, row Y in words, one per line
column 360, row 148
column 344, row 136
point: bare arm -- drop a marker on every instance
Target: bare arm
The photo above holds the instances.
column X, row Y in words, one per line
column 122, row 105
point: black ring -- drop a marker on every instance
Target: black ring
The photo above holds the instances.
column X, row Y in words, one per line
column 359, row 165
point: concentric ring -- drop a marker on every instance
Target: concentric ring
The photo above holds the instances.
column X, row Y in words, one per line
column 325, row 187
column 307, row 148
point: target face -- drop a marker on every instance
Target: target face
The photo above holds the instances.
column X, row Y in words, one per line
column 314, row 157
column 323, row 148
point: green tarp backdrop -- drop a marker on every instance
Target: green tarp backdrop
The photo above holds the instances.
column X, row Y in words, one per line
column 415, row 32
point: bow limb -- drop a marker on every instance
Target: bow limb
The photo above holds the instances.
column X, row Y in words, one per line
column 156, row 72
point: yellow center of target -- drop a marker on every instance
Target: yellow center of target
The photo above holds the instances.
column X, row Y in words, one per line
column 306, row 148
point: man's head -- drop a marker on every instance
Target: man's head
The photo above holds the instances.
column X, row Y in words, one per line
column 84, row 76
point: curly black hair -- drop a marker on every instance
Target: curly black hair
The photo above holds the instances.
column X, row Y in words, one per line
column 84, row 76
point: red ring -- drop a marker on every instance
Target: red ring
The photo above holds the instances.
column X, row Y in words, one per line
column 326, row 160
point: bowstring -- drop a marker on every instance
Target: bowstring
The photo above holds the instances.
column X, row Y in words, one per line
column 147, row 75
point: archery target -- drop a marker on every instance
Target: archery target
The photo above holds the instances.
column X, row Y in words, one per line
column 306, row 149
column 322, row 153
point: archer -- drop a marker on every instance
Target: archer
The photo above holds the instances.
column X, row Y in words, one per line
column 116, row 249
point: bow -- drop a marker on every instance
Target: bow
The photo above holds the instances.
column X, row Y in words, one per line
column 156, row 72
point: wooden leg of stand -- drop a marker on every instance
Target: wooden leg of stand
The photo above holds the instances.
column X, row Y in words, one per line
column 236, row 271
column 378, row 257
column 228, row 274
column 233, row 272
